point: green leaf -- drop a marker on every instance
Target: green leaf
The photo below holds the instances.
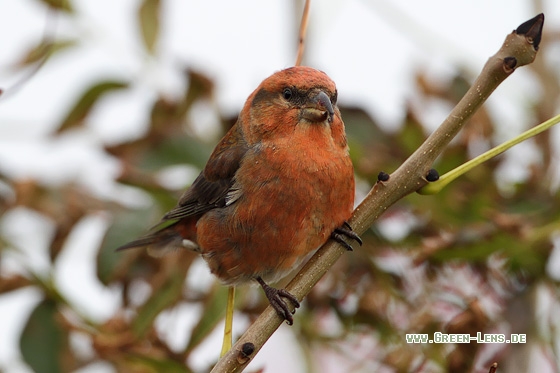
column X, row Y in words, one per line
column 360, row 126
column 411, row 135
column 65, row 5
column 45, row 50
column 142, row 363
column 165, row 296
column 128, row 225
column 212, row 314
column 86, row 102
column 43, row 340
column 176, row 150
column 148, row 17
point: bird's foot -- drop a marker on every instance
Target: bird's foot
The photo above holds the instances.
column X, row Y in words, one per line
column 275, row 298
column 345, row 230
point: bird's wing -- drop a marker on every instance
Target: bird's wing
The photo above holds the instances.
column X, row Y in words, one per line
column 211, row 188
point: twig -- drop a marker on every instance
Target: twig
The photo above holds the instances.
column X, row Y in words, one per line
column 437, row 186
column 519, row 49
column 302, row 33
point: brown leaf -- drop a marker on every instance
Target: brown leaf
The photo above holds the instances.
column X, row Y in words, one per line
column 14, row 282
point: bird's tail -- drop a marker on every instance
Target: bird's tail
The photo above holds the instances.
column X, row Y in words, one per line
column 180, row 234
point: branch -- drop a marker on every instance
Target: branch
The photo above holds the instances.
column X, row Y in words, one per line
column 519, row 49
column 302, row 33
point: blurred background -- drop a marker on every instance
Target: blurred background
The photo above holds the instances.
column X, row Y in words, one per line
column 109, row 109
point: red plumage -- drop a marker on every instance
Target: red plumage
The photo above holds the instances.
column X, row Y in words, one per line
column 274, row 189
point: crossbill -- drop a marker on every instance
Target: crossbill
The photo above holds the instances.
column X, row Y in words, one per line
column 276, row 187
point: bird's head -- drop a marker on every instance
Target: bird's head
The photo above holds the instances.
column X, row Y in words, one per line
column 295, row 99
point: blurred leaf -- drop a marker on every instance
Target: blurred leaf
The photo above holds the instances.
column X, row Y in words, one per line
column 45, row 50
column 127, row 226
column 411, row 134
column 148, row 15
column 360, row 125
column 200, row 87
column 65, row 224
column 477, row 252
column 164, row 296
column 84, row 105
column 372, row 149
column 13, row 282
column 140, row 363
column 361, row 131
column 163, row 198
column 65, row 5
column 176, row 150
column 212, row 313
column 43, row 340
column 522, row 254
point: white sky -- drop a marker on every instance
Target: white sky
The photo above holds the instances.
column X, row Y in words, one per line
column 369, row 48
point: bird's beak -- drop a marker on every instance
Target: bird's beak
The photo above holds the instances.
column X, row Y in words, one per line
column 318, row 108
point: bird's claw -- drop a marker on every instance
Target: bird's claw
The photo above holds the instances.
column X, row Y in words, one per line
column 275, row 298
column 346, row 230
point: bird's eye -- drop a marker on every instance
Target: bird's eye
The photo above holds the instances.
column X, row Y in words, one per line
column 287, row 93
column 334, row 98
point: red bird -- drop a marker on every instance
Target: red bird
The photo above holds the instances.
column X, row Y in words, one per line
column 275, row 188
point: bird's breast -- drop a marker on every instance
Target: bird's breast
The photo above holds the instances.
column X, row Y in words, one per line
column 291, row 197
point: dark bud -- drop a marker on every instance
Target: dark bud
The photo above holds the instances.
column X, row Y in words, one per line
column 532, row 29
column 432, row 175
column 510, row 63
column 247, row 349
column 383, row 176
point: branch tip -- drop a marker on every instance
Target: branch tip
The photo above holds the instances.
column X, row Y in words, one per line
column 532, row 29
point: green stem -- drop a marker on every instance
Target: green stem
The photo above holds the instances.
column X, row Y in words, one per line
column 437, row 186
column 228, row 327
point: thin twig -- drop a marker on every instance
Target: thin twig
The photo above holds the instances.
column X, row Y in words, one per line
column 437, row 186
column 520, row 47
column 302, row 33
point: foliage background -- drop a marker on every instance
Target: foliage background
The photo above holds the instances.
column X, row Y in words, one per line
column 101, row 129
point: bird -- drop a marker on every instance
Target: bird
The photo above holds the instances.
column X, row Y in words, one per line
column 277, row 186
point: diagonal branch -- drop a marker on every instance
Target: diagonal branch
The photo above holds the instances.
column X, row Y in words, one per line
column 519, row 49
